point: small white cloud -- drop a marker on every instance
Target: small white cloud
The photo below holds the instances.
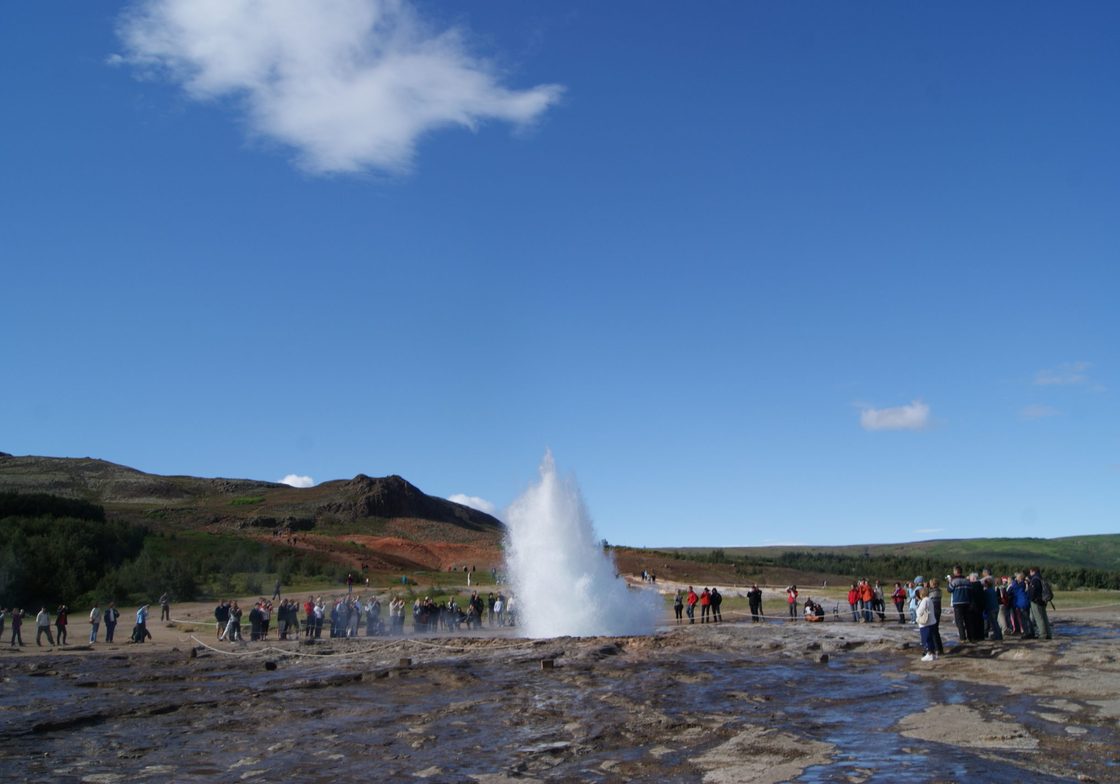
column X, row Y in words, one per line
column 295, row 480
column 1065, row 374
column 914, row 416
column 1037, row 411
column 350, row 85
column 474, row 502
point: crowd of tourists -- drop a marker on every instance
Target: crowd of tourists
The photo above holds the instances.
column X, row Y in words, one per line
column 351, row 615
column 983, row 606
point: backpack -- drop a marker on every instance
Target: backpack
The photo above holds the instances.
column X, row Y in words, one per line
column 1046, row 593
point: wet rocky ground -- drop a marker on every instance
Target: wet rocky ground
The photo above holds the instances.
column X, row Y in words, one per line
column 730, row 703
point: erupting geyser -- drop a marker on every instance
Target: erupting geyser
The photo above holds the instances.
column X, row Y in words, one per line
column 563, row 581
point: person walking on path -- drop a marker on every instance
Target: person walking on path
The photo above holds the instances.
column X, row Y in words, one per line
column 165, row 607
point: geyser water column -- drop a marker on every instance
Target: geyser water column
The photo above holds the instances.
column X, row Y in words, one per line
column 563, row 581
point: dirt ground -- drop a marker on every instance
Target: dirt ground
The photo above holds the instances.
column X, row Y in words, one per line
column 732, row 702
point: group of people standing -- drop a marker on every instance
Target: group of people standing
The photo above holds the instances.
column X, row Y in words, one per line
column 984, row 607
column 710, row 601
column 61, row 624
column 866, row 600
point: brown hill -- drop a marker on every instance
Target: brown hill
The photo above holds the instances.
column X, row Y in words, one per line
column 379, row 521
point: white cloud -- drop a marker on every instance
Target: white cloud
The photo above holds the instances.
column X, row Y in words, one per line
column 1065, row 374
column 474, row 502
column 1037, row 411
column 350, row 85
column 295, row 480
column 914, row 416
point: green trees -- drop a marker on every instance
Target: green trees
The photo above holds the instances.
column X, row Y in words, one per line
column 55, row 549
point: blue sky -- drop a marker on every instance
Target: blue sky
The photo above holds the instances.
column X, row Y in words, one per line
column 756, row 273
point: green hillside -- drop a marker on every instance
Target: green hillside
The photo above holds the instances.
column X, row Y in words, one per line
column 1100, row 551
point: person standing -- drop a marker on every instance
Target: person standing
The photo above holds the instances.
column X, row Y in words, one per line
column 691, row 602
column 866, row 600
column 17, row 624
column 959, row 588
column 276, row 590
column 1018, row 594
column 899, row 597
column 853, row 602
column 165, row 607
column 678, row 606
column 934, row 594
column 43, row 625
column 754, row 599
column 924, row 615
column 94, row 622
column 1040, row 619
column 705, row 605
column 1004, row 606
column 2, row 615
column 60, row 622
column 141, row 633
column 879, row 603
column 991, row 609
column 791, row 600
column 233, row 625
column 716, row 600
column 111, row 616
column 255, row 622
column 221, row 617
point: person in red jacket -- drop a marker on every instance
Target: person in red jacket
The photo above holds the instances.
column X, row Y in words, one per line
column 705, row 605
column 692, row 600
column 899, row 597
column 791, row 599
column 866, row 599
column 853, row 601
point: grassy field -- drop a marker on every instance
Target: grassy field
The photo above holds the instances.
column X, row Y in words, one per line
column 1100, row 551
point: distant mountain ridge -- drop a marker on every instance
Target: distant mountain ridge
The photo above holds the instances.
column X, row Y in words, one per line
column 188, row 502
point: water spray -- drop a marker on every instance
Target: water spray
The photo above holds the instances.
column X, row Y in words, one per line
column 563, row 580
